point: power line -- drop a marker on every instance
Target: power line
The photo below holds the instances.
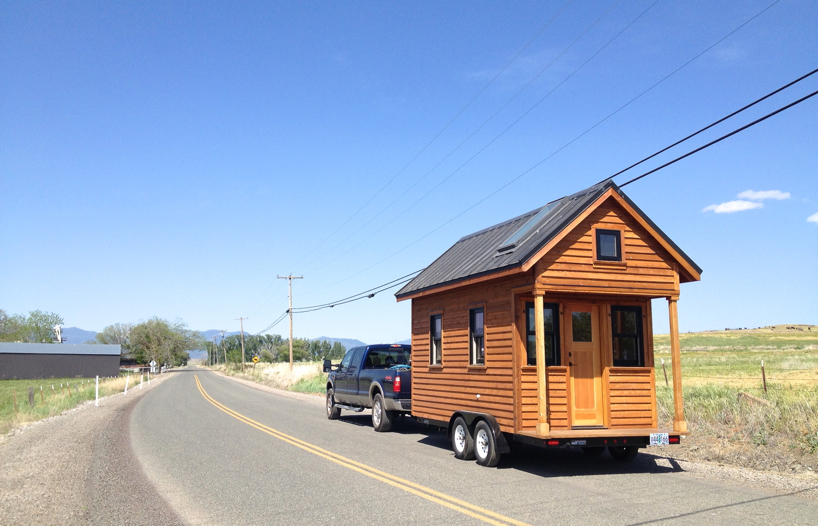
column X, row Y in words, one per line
column 330, row 304
column 433, row 139
column 335, row 304
column 711, row 143
column 765, row 97
column 558, row 150
column 492, row 141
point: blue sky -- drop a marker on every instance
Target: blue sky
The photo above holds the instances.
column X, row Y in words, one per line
column 172, row 159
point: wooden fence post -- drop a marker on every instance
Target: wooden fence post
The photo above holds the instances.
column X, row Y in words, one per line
column 42, row 398
column 664, row 371
column 763, row 377
column 15, row 401
column 31, row 396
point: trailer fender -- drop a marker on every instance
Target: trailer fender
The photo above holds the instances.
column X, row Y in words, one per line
column 472, row 418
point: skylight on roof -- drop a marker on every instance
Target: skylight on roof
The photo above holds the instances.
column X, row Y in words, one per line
column 521, row 235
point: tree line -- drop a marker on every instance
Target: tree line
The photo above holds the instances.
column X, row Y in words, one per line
column 271, row 348
column 168, row 342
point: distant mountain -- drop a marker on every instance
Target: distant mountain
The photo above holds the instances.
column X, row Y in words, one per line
column 75, row 335
column 405, row 342
column 348, row 343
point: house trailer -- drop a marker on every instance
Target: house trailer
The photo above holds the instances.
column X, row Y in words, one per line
column 539, row 330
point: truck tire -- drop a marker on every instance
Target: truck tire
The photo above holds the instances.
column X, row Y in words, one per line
column 462, row 441
column 333, row 413
column 381, row 418
column 623, row 453
column 485, row 445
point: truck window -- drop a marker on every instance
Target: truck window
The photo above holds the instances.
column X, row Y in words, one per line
column 384, row 358
column 347, row 359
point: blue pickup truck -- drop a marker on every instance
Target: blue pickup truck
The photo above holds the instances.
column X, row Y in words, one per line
column 373, row 376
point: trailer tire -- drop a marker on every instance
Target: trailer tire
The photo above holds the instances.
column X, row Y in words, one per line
column 593, row 451
column 623, row 453
column 462, row 440
column 485, row 445
column 333, row 412
column 381, row 418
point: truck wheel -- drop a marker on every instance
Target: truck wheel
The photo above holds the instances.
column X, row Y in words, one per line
column 593, row 451
column 462, row 441
column 485, row 445
column 623, row 453
column 333, row 413
column 381, row 418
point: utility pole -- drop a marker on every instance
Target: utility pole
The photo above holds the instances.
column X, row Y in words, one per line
column 224, row 349
column 290, row 279
column 213, row 355
column 241, row 320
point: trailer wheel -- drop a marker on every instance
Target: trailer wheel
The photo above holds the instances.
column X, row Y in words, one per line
column 333, row 413
column 381, row 418
column 462, row 441
column 593, row 451
column 623, row 453
column 485, row 445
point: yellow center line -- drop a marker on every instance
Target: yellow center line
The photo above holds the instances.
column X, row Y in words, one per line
column 397, row 482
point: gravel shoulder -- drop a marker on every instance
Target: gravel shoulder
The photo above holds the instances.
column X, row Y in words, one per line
column 78, row 468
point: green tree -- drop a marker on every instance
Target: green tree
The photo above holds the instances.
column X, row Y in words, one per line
column 116, row 334
column 163, row 341
column 38, row 327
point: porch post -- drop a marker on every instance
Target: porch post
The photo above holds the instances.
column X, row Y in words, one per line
column 679, row 423
column 542, row 387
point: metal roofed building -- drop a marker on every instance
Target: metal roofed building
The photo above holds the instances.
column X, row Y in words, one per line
column 54, row 360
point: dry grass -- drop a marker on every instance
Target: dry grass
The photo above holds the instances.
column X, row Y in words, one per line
column 52, row 401
column 305, row 376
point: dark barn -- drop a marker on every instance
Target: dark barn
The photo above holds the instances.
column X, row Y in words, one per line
column 53, row 360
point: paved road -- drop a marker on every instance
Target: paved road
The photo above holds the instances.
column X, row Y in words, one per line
column 224, row 453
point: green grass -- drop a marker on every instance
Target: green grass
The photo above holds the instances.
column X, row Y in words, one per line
column 311, row 384
column 52, row 402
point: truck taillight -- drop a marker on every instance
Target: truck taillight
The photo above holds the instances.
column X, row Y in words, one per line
column 396, row 385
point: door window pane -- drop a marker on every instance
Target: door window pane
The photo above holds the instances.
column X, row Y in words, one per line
column 581, row 326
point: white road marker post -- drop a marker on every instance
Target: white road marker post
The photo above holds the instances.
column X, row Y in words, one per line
column 149, row 377
column 141, row 380
column 127, row 379
column 96, row 400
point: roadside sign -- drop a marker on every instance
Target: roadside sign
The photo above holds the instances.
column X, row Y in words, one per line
column 255, row 359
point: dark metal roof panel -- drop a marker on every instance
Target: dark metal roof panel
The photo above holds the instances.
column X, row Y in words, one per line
column 59, row 348
column 477, row 253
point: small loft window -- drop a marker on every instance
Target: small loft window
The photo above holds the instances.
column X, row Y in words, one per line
column 608, row 245
column 436, row 339
column 477, row 345
column 520, row 236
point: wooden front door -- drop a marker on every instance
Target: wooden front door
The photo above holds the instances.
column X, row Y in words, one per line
column 584, row 361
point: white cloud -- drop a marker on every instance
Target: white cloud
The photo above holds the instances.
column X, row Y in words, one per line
column 732, row 206
column 764, row 194
column 813, row 218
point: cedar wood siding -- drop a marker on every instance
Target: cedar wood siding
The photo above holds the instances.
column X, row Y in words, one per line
column 570, row 267
column 438, row 391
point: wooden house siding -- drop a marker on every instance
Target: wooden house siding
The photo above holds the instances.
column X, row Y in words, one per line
column 632, row 401
column 557, row 398
column 439, row 390
column 646, row 270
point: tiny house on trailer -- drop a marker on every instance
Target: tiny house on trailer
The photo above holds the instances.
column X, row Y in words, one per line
column 539, row 330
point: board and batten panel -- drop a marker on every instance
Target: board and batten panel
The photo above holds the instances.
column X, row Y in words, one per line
column 439, row 391
column 632, row 397
column 647, row 268
column 557, row 396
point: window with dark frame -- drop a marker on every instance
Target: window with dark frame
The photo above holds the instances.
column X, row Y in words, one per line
column 477, row 344
column 550, row 333
column 436, row 339
column 626, row 336
column 608, row 245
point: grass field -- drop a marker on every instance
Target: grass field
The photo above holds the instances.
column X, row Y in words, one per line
column 51, row 401
column 718, row 365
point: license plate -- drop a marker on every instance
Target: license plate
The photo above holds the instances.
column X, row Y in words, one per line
column 659, row 439
column 578, row 442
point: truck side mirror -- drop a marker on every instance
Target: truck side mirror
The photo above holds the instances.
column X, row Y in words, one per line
column 327, row 366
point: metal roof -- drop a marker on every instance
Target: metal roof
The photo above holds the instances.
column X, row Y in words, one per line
column 480, row 253
column 59, row 348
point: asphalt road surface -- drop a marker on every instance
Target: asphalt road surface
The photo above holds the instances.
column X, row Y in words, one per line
column 220, row 452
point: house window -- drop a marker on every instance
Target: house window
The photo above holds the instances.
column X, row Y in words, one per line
column 608, row 245
column 436, row 339
column 626, row 336
column 477, row 343
column 550, row 333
